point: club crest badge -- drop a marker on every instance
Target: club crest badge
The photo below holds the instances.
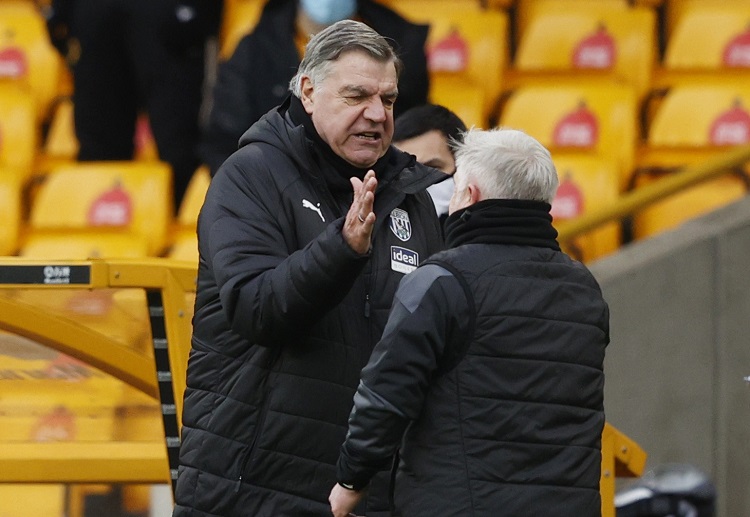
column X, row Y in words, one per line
column 400, row 224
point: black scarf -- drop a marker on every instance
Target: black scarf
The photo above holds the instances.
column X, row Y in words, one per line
column 502, row 221
column 344, row 170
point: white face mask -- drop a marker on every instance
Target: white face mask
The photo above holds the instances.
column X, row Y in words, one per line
column 441, row 195
column 327, row 12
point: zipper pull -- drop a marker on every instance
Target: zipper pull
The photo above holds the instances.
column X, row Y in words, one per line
column 367, row 306
column 237, row 485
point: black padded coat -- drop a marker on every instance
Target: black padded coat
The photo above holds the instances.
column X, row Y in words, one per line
column 286, row 315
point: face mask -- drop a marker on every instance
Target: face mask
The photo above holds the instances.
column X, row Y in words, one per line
column 326, row 12
column 441, row 195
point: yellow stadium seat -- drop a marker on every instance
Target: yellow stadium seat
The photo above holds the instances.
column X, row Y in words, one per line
column 588, row 118
column 688, row 204
column 587, row 183
column 126, row 197
column 466, row 42
column 528, row 9
column 674, row 10
column 185, row 243
column 710, row 35
column 84, row 245
column 10, row 212
column 238, row 19
column 560, row 42
column 464, row 98
column 32, row 500
column 26, row 55
column 694, row 121
column 187, row 215
column 19, row 135
column 60, row 143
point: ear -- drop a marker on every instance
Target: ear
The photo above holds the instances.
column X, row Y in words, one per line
column 306, row 90
column 475, row 195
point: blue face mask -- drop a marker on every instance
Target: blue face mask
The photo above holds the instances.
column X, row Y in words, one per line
column 326, row 12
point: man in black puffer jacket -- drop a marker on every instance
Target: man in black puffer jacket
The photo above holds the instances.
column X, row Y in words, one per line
column 489, row 373
column 304, row 235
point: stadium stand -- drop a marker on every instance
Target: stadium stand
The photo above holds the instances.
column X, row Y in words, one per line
column 131, row 198
column 565, row 41
column 592, row 119
column 587, row 183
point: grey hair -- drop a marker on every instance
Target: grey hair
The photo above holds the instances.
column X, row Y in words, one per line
column 506, row 164
column 333, row 41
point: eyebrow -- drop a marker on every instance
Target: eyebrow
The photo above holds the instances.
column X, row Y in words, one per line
column 361, row 90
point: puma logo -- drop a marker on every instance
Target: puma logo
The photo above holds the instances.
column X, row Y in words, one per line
column 314, row 208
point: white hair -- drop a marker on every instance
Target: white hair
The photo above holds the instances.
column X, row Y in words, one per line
column 506, row 164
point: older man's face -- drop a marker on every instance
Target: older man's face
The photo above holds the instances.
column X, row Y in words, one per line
column 352, row 109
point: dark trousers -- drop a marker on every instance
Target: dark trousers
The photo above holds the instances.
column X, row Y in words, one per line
column 128, row 63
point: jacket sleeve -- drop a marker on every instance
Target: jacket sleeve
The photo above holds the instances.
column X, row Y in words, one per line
column 269, row 289
column 429, row 314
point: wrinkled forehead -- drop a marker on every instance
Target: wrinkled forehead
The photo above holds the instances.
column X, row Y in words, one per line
column 359, row 65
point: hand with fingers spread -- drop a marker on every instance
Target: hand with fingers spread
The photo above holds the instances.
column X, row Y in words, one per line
column 360, row 219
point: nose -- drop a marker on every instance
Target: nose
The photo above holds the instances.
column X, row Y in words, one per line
column 375, row 110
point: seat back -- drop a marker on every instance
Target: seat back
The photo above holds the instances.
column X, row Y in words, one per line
column 464, row 42
column 587, row 184
column 588, row 118
column 122, row 197
column 26, row 55
column 710, row 35
column 606, row 42
column 702, row 115
column 19, row 134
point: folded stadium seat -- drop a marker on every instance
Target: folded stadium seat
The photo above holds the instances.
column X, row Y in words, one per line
column 528, row 9
column 19, row 134
column 238, row 19
column 566, row 41
column 465, row 98
column 674, row 10
column 60, row 144
column 26, row 55
column 465, row 44
column 587, row 183
column 185, row 243
column 588, row 118
column 708, row 39
column 11, row 188
column 128, row 198
column 692, row 123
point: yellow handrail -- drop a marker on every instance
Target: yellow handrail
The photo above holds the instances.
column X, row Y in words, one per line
column 643, row 196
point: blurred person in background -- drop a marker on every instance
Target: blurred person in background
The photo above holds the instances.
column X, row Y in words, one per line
column 488, row 380
column 255, row 77
column 430, row 132
column 133, row 56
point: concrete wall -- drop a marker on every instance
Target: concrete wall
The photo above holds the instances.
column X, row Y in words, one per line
column 680, row 349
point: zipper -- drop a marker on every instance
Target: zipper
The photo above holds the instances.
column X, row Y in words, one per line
column 249, row 453
column 367, row 305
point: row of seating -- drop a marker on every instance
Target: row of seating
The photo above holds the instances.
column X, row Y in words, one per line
column 590, row 119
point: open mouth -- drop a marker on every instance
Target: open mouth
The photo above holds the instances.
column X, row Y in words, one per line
column 369, row 136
